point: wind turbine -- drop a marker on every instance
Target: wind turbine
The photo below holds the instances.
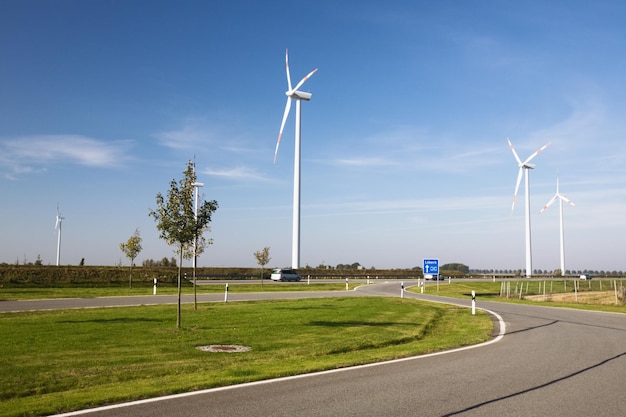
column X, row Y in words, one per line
column 562, row 198
column 294, row 94
column 57, row 227
column 523, row 170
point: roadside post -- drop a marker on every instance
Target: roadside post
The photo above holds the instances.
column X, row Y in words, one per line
column 402, row 290
column 473, row 303
column 346, row 283
column 226, row 294
column 154, row 288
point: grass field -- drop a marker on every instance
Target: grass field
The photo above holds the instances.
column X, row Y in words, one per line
column 116, row 291
column 57, row 361
column 558, row 293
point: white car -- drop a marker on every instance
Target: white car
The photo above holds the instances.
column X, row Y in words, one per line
column 285, row 275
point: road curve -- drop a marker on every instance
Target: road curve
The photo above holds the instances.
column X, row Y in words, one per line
column 551, row 362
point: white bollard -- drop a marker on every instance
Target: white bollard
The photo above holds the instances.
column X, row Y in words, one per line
column 154, row 289
column 226, row 294
column 402, row 291
column 308, row 280
column 346, row 283
column 473, row 303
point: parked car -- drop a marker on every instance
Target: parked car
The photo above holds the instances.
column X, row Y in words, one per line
column 587, row 276
column 283, row 274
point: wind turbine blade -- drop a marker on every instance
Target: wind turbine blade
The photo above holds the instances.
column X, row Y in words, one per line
column 537, row 152
column 519, row 161
column 282, row 126
column 287, row 67
column 519, row 180
column 549, row 203
column 567, row 200
column 302, row 81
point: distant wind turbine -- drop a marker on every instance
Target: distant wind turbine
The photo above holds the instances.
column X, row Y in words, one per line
column 562, row 198
column 523, row 170
column 57, row 227
column 295, row 94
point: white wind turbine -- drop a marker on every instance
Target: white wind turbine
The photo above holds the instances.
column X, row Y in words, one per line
column 523, row 169
column 295, row 94
column 562, row 198
column 57, row 227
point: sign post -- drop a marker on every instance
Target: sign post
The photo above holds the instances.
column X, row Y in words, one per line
column 431, row 267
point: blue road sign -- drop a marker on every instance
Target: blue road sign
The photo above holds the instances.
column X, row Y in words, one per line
column 431, row 266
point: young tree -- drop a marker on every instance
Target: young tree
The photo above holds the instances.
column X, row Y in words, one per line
column 131, row 249
column 177, row 221
column 262, row 258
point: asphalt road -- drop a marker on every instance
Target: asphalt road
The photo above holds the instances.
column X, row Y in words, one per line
column 550, row 362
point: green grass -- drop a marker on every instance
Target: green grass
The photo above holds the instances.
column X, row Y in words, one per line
column 58, row 361
column 490, row 291
column 233, row 287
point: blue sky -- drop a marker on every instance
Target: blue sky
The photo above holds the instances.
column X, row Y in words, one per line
column 404, row 151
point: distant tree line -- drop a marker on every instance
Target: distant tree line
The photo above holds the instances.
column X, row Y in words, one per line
column 151, row 263
column 556, row 272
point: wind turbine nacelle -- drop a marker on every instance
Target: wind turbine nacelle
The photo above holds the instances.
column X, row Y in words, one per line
column 300, row 95
column 529, row 166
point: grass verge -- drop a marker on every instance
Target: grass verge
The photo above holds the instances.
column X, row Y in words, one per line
column 58, row 361
column 491, row 291
column 32, row 293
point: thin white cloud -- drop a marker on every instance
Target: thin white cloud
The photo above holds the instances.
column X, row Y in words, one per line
column 28, row 154
column 196, row 134
column 189, row 136
column 398, row 206
column 367, row 162
column 586, row 122
column 238, row 173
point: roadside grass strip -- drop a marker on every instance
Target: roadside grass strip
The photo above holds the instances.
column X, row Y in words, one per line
column 35, row 293
column 599, row 295
column 60, row 361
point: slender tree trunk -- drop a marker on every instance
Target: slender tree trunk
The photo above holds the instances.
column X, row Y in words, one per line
column 180, row 265
column 195, row 295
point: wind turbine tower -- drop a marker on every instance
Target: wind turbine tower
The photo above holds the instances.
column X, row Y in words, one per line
column 298, row 96
column 57, row 227
column 562, row 198
column 524, row 167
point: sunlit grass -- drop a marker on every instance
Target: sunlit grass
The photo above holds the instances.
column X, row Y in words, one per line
column 512, row 291
column 233, row 287
column 64, row 360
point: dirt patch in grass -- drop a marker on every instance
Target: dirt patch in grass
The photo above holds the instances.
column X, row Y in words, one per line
column 586, row 297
